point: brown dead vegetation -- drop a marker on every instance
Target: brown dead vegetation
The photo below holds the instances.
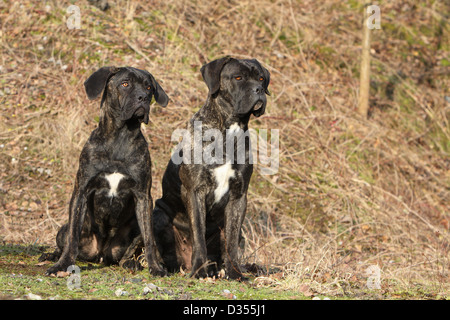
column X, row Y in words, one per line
column 349, row 193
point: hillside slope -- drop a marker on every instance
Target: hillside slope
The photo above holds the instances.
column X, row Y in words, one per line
column 349, row 192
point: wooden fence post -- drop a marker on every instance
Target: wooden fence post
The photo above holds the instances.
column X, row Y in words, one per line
column 364, row 80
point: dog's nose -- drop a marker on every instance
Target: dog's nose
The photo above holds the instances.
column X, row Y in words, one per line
column 142, row 98
column 259, row 90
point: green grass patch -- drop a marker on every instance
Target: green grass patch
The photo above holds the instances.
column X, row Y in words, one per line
column 22, row 276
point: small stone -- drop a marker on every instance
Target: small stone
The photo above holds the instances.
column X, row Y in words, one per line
column 33, row 296
column 150, row 288
column 120, row 292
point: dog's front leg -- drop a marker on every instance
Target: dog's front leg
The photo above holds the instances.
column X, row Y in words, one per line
column 234, row 217
column 197, row 219
column 77, row 212
column 144, row 217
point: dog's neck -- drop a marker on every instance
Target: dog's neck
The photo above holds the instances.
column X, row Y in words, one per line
column 110, row 124
column 220, row 111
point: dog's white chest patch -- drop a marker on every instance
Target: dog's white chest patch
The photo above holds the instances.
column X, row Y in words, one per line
column 113, row 180
column 222, row 175
column 234, row 129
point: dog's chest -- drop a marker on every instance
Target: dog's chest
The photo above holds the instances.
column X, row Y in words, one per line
column 111, row 202
column 234, row 129
column 113, row 181
column 222, row 176
column 227, row 175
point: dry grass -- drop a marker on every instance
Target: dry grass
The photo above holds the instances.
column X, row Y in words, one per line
column 349, row 192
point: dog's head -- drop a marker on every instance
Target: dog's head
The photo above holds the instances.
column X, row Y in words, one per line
column 128, row 90
column 243, row 83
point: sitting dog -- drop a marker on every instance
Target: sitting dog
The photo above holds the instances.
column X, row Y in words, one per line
column 199, row 216
column 111, row 206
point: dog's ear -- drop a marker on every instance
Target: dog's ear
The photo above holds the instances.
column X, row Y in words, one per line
column 211, row 74
column 96, row 83
column 266, row 80
column 160, row 95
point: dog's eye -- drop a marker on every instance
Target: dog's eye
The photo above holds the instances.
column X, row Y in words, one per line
column 238, row 78
column 261, row 79
column 125, row 84
column 149, row 88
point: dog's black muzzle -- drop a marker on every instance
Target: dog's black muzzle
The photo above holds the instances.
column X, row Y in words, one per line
column 256, row 104
column 139, row 111
column 142, row 113
column 259, row 107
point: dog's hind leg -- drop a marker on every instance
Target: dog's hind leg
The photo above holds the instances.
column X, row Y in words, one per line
column 130, row 258
column 165, row 237
column 60, row 240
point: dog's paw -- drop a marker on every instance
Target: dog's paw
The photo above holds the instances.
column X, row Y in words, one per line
column 157, row 270
column 200, row 271
column 199, row 274
column 59, row 266
column 237, row 276
column 54, row 270
column 234, row 273
column 47, row 256
column 131, row 264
